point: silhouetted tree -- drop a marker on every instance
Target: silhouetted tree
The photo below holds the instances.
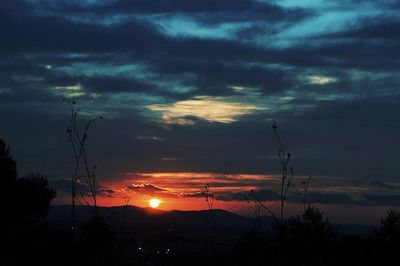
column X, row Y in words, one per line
column 27, row 199
column 310, row 225
column 390, row 227
column 25, row 204
column 387, row 239
column 8, row 178
column 8, row 167
column 33, row 197
column 308, row 238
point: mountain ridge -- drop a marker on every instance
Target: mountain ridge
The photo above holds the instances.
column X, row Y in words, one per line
column 138, row 217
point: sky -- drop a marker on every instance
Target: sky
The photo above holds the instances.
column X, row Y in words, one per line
column 189, row 91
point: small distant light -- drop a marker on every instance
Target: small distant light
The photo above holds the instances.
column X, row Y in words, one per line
column 48, row 67
column 140, row 248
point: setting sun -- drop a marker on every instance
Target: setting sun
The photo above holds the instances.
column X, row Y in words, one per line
column 154, row 203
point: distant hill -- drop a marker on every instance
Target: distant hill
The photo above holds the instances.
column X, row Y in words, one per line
column 133, row 215
column 137, row 218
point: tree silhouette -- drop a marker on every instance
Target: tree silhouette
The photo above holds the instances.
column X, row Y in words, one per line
column 310, row 226
column 387, row 240
column 308, row 238
column 25, row 204
column 8, row 167
column 8, row 178
column 390, row 227
column 26, row 200
column 33, row 197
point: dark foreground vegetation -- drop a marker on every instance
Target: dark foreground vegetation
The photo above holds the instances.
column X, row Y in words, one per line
column 28, row 239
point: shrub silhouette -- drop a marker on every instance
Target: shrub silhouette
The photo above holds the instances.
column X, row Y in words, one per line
column 308, row 238
column 310, row 225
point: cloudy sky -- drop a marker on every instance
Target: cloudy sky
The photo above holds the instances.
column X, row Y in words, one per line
column 189, row 91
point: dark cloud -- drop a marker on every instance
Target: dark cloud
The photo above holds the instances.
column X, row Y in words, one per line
column 65, row 185
column 385, row 200
column 373, row 28
column 232, row 196
column 336, row 198
column 208, row 12
column 195, row 195
column 169, row 6
column 213, row 78
column 105, row 192
column 380, row 184
column 330, row 198
column 55, row 33
column 110, row 84
column 52, row 33
column 262, row 195
column 249, row 32
column 45, row 33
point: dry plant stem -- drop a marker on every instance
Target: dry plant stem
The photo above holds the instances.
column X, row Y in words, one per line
column 256, row 208
column 210, row 202
column 127, row 201
column 286, row 178
column 303, row 194
column 261, row 204
column 78, row 141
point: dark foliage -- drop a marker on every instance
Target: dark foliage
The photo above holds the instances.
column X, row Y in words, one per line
column 95, row 246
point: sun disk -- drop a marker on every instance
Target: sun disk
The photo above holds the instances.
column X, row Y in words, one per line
column 154, row 203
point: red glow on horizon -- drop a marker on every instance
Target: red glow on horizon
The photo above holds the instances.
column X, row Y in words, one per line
column 177, row 191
